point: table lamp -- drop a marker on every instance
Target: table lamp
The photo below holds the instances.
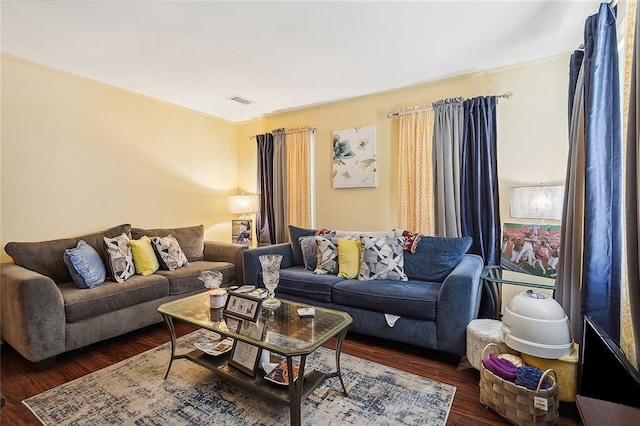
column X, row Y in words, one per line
column 536, row 202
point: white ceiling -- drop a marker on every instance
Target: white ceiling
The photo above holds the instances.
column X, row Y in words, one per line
column 284, row 55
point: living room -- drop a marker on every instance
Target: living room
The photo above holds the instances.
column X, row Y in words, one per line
column 81, row 155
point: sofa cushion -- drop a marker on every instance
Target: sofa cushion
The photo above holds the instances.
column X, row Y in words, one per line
column 85, row 266
column 294, row 234
column 47, row 257
column 120, row 261
column 111, row 296
column 191, row 239
column 298, row 281
column 348, row 258
column 413, row 299
column 381, row 259
column 185, row 279
column 144, row 258
column 354, row 235
column 309, row 248
column 411, row 240
column 327, row 256
column 435, row 257
column 309, row 252
column 170, row 255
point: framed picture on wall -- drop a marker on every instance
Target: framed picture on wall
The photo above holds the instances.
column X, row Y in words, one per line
column 354, row 157
column 531, row 248
column 241, row 232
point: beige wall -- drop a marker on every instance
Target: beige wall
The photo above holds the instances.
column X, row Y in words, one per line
column 79, row 156
column 532, row 137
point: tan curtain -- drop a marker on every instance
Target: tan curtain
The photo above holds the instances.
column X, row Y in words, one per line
column 628, row 338
column 298, row 166
column 415, row 180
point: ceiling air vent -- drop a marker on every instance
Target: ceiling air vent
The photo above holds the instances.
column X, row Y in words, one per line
column 241, row 100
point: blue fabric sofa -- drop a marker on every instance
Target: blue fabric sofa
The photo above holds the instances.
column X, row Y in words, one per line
column 441, row 296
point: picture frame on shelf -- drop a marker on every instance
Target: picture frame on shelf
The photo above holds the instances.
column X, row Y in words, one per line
column 245, row 356
column 233, row 323
column 243, row 306
column 241, row 232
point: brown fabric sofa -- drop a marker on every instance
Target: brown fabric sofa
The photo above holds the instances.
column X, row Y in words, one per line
column 45, row 314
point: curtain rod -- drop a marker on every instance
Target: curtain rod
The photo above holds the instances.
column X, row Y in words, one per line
column 293, row 130
column 506, row 95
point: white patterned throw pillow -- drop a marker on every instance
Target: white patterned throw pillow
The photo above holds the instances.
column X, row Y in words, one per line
column 169, row 253
column 327, row 256
column 382, row 259
column 120, row 262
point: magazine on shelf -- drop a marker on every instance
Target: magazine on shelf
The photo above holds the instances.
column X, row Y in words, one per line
column 216, row 348
column 279, row 374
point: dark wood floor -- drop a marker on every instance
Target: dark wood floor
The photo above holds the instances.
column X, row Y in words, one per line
column 20, row 379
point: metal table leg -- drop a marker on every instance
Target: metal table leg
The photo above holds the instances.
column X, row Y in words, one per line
column 295, row 390
column 338, row 372
column 172, row 332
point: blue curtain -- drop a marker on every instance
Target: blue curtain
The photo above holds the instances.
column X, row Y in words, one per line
column 265, row 224
column 479, row 201
column 600, row 296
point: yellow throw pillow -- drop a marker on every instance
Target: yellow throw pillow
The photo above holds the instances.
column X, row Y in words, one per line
column 348, row 258
column 144, row 258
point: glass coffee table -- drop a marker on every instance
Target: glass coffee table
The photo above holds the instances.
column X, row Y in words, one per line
column 286, row 334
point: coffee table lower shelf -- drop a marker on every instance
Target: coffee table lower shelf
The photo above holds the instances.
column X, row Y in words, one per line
column 219, row 365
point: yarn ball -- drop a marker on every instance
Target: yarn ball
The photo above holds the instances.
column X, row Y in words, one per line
column 529, row 378
column 514, row 359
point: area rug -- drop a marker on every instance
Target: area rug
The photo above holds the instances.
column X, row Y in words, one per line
column 133, row 392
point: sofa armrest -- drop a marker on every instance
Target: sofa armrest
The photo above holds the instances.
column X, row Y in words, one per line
column 217, row 251
column 33, row 315
column 252, row 267
column 458, row 304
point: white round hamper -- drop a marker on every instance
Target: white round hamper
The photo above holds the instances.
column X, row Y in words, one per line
column 480, row 333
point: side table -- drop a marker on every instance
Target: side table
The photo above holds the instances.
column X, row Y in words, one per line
column 493, row 277
column 596, row 412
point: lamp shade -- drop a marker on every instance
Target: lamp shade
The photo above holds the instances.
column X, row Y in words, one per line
column 243, row 204
column 536, row 202
column 535, row 324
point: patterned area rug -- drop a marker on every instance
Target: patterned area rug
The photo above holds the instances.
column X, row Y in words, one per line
column 132, row 392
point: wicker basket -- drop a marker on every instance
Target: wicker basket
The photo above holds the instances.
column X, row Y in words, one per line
column 518, row 404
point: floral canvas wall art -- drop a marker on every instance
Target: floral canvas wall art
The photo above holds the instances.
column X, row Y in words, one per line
column 354, row 157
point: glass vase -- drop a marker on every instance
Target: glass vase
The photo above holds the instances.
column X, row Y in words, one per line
column 270, row 276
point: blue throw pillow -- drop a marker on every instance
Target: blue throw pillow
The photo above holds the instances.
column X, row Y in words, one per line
column 435, row 258
column 294, row 234
column 85, row 266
